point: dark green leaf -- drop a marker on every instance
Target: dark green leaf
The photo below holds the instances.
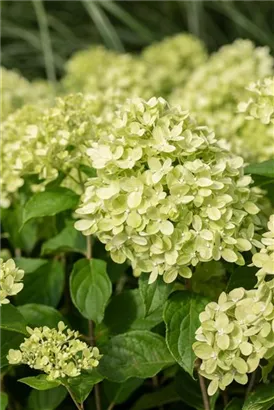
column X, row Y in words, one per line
column 40, row 382
column 155, row 294
column 24, row 238
column 3, row 401
column 265, row 168
column 181, row 315
column 29, row 265
column 82, row 385
column 165, row 395
column 118, row 393
column 40, row 315
column 235, row 404
column 12, row 320
column 242, row 276
column 45, row 285
column 123, row 310
column 90, row 288
column 89, row 171
column 68, row 240
column 260, row 399
column 46, row 399
column 138, row 353
column 49, row 203
column 9, row 340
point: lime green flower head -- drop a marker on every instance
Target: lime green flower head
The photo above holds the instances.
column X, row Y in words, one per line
column 235, row 334
column 10, row 280
column 172, row 60
column 215, row 88
column 166, row 195
column 57, row 352
column 98, row 70
column 265, row 258
column 17, row 91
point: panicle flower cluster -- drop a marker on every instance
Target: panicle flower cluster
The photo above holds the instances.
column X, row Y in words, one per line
column 47, row 142
column 265, row 258
column 166, row 195
column 57, row 352
column 254, row 122
column 10, row 280
column 17, row 91
column 97, row 70
column 213, row 91
column 235, row 334
column 261, row 102
column 172, row 60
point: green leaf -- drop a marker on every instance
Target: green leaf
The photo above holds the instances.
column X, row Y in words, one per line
column 29, row 265
column 24, row 238
column 40, row 382
column 139, row 353
column 155, row 294
column 165, row 395
column 45, row 285
column 46, row 399
column 3, row 401
column 9, row 340
column 119, row 321
column 234, row 404
column 90, row 288
column 40, row 315
column 68, row 240
column 82, row 385
column 181, row 316
column 118, row 393
column 242, row 276
column 12, row 320
column 190, row 392
column 49, row 203
column 265, row 169
column 260, row 399
column 89, row 171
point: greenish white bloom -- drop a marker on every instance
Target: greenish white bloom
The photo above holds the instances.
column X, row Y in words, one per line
column 167, row 195
column 171, row 61
column 265, row 258
column 10, row 280
column 214, row 90
column 235, row 334
column 57, row 352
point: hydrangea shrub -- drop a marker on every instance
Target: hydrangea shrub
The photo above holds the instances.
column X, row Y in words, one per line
column 137, row 261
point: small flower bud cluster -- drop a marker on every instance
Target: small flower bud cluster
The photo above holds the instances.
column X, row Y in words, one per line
column 235, row 334
column 166, row 195
column 171, row 61
column 17, row 91
column 215, row 88
column 10, row 280
column 265, row 258
column 56, row 352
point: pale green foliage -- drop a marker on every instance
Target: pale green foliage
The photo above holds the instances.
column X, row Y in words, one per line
column 265, row 258
column 235, row 334
column 10, row 280
column 214, row 90
column 17, row 91
column 172, row 60
column 167, row 195
column 57, row 352
column 98, row 70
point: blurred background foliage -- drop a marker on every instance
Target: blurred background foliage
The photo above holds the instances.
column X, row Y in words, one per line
column 39, row 36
